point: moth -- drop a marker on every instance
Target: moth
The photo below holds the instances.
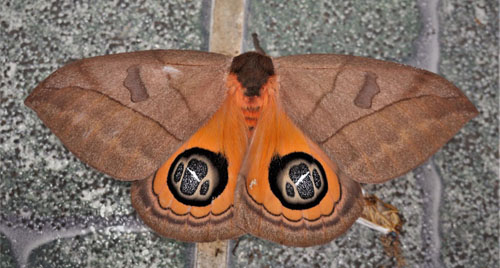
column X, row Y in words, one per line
column 219, row 146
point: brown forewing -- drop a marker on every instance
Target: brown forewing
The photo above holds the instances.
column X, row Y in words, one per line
column 375, row 119
column 124, row 114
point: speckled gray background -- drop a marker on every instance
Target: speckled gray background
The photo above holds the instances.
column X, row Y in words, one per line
column 57, row 212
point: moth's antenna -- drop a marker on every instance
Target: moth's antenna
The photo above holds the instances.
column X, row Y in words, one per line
column 256, row 44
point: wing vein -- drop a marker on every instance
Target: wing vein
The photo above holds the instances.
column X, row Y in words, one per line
column 385, row 107
column 125, row 106
column 317, row 103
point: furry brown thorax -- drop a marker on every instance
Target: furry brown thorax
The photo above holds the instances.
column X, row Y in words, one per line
column 253, row 70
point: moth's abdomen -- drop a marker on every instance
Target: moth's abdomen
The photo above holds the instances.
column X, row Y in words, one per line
column 250, row 106
column 251, row 111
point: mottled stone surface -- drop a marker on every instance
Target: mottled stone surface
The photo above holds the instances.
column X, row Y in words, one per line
column 84, row 218
column 110, row 248
column 379, row 29
column 6, row 256
column 469, row 163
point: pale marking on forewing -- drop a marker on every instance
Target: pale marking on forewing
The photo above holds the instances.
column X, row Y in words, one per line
column 173, row 72
column 170, row 70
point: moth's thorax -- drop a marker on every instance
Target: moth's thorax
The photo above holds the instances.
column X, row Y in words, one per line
column 252, row 70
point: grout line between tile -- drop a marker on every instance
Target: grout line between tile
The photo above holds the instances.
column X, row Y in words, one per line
column 226, row 31
column 427, row 57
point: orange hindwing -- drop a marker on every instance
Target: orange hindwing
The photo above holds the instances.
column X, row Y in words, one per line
column 290, row 191
column 192, row 194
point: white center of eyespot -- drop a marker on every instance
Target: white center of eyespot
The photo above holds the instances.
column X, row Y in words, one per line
column 301, row 179
column 193, row 174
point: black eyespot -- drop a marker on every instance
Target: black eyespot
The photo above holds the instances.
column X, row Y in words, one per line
column 197, row 176
column 297, row 172
column 196, row 170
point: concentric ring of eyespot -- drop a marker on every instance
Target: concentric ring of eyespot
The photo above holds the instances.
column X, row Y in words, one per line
column 197, row 176
column 297, row 180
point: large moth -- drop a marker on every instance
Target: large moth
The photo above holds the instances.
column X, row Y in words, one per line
column 218, row 146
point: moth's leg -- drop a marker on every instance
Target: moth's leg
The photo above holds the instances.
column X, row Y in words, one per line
column 384, row 218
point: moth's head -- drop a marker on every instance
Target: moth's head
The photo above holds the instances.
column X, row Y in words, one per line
column 252, row 69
